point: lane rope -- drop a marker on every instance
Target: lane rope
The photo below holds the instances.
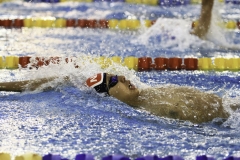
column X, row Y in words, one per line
column 136, row 63
column 34, row 156
column 121, row 24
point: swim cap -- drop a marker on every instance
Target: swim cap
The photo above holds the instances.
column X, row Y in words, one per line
column 98, row 82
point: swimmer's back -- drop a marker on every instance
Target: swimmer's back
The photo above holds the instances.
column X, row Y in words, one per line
column 183, row 103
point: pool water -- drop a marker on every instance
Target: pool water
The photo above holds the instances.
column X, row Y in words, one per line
column 73, row 119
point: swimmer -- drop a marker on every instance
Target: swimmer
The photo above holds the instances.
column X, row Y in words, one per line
column 204, row 21
column 183, row 103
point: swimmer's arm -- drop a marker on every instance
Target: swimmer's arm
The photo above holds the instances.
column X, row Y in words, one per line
column 20, row 86
column 205, row 19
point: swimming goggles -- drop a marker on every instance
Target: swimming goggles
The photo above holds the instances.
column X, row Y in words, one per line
column 112, row 81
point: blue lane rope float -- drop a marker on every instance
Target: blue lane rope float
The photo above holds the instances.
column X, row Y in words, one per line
column 33, row 156
column 135, row 63
column 116, row 157
column 84, row 157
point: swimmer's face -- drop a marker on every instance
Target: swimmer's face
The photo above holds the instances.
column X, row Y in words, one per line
column 123, row 90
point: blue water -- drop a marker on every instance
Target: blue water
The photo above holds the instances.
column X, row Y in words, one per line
column 73, row 119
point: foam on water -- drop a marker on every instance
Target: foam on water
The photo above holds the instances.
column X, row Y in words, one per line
column 171, row 34
column 87, row 67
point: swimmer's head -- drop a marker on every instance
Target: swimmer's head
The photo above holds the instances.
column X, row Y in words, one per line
column 115, row 86
column 98, row 82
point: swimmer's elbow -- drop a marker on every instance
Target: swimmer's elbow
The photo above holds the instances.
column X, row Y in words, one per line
column 199, row 32
column 173, row 114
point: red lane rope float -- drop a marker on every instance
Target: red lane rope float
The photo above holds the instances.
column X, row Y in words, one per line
column 70, row 23
column 103, row 23
column 191, row 63
column 138, row 64
column 24, row 61
column 82, row 23
column 161, row 63
column 175, row 63
column 18, row 23
column 144, row 63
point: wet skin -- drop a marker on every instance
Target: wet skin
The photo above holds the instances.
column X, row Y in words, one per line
column 204, row 21
column 182, row 103
column 124, row 90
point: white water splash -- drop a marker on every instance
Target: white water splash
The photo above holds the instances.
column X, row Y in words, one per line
column 86, row 67
column 217, row 32
column 171, row 33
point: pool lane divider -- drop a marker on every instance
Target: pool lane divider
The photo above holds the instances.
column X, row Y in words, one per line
column 34, row 156
column 52, row 22
column 145, row 2
column 131, row 62
column 120, row 24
